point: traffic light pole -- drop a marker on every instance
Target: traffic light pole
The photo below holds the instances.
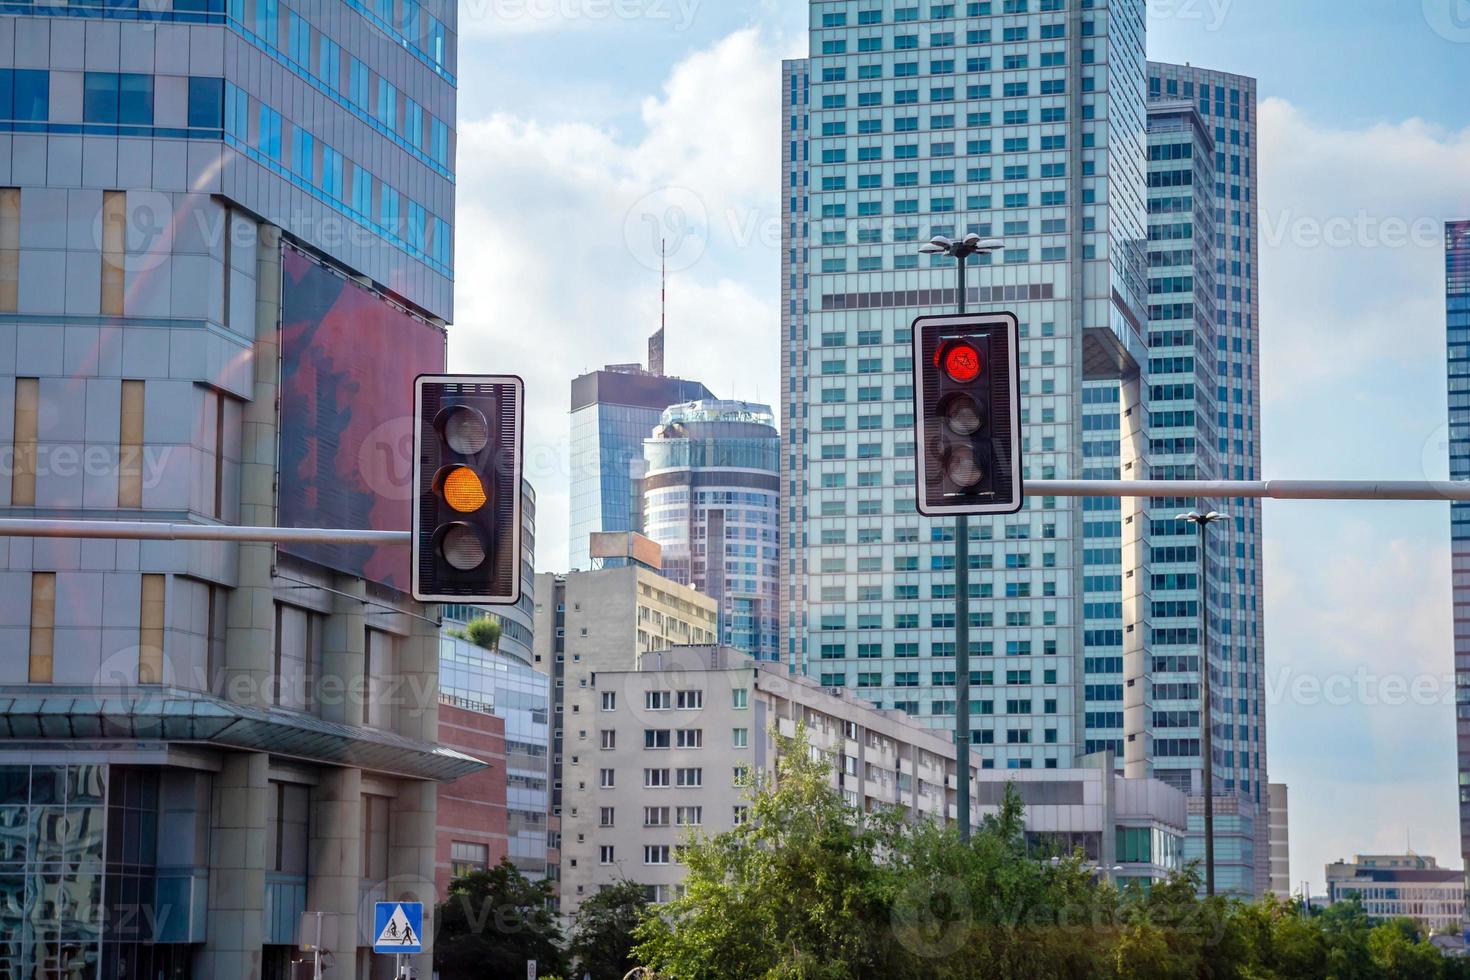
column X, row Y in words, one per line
column 962, row 644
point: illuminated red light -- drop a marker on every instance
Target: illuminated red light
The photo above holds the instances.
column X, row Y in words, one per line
column 962, row 362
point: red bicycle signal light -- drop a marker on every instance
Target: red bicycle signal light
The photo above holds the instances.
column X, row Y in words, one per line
column 962, row 362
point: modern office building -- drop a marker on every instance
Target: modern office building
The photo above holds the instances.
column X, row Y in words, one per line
column 503, row 684
column 1280, row 826
column 1024, row 122
column 1457, row 313
column 225, row 251
column 711, row 500
column 613, row 411
column 591, row 621
column 1392, row 886
column 1226, row 106
column 679, row 735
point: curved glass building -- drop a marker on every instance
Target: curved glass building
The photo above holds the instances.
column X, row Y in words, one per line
column 712, row 502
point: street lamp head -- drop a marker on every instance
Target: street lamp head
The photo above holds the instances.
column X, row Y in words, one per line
column 936, row 245
column 1191, row 517
column 988, row 244
column 931, row 249
column 1213, row 516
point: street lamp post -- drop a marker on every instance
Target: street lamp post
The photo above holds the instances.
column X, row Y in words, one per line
column 961, row 250
column 1207, row 755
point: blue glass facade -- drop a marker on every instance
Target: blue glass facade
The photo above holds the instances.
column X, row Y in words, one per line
column 1014, row 119
column 613, row 411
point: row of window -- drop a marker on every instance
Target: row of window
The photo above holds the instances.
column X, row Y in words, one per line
column 682, row 738
column 941, row 11
column 690, row 700
column 297, row 155
column 686, row 777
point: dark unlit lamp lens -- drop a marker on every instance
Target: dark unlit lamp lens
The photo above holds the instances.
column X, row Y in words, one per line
column 462, row 547
column 963, row 415
column 465, row 429
column 962, row 468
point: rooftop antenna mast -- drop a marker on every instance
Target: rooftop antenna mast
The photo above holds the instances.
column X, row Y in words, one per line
column 656, row 342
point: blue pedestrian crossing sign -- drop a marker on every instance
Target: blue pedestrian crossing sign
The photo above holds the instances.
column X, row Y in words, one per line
column 398, row 927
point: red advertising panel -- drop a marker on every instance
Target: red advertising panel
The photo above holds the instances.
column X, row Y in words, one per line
column 348, row 362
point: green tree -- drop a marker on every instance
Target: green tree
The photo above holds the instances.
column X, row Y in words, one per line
column 492, row 922
column 602, row 933
column 791, row 893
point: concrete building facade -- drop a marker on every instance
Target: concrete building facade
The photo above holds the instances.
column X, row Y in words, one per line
column 711, row 501
column 1280, row 825
column 265, row 727
column 1391, row 886
column 678, row 738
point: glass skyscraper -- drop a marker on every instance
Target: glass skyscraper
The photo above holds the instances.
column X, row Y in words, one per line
column 712, row 502
column 1014, row 119
column 1226, row 220
column 1457, row 311
column 1130, row 261
column 613, row 411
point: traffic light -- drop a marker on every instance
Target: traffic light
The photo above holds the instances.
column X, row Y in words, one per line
column 967, row 411
column 467, row 488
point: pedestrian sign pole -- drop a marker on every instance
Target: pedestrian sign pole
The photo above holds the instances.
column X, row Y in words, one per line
column 398, row 928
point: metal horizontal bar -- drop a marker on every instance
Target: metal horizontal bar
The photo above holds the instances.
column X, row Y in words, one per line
column 164, row 531
column 1262, row 489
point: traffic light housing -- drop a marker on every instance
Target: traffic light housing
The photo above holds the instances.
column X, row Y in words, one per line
column 467, row 488
column 967, row 413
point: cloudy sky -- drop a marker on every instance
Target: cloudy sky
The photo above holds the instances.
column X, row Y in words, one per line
column 591, row 128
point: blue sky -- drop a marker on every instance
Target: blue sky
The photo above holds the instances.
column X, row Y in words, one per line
column 582, row 130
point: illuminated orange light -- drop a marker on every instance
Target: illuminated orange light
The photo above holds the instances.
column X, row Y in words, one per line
column 463, row 490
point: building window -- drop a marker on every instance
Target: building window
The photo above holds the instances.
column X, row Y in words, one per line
column 9, row 249
column 27, row 414
column 374, row 838
column 287, row 830
column 609, row 738
column 112, row 97
column 130, row 443
column 609, row 701
column 655, row 854
column 466, row 858
column 206, row 103
column 655, row 816
column 114, row 245
column 740, row 737
column 606, row 778
column 43, row 626
column 605, row 817
column 605, row 854
column 740, row 698
column 150, row 630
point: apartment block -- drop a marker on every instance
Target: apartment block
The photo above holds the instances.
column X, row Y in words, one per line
column 587, row 622
column 676, row 741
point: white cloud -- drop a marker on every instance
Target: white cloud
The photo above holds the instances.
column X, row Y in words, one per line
column 1351, row 233
column 557, row 256
column 1360, row 719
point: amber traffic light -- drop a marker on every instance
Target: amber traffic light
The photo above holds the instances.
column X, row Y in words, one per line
column 467, row 489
